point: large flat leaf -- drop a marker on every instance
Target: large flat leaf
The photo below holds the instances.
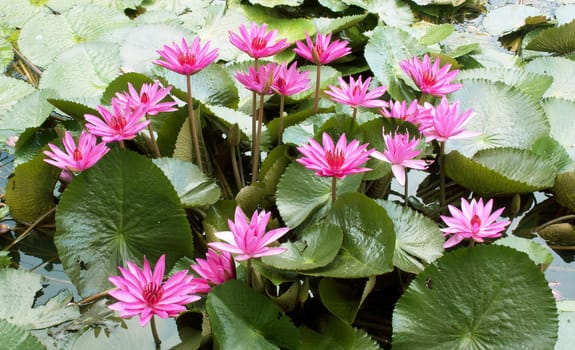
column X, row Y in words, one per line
column 508, row 18
column 559, row 40
column 485, row 297
column 393, row 13
column 368, row 239
column 11, row 91
column 342, row 298
column 539, row 254
column 193, row 187
column 123, row 208
column 301, row 193
column 563, row 84
column 501, row 171
column 566, row 336
column 241, row 318
column 17, row 338
column 418, row 239
column 16, row 13
column 560, row 113
column 29, row 112
column 505, row 117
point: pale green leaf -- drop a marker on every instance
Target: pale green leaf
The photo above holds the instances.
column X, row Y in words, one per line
column 274, row 3
column 530, row 83
column 536, row 252
column 563, row 84
column 29, row 112
column 393, row 13
column 17, row 338
column 506, row 19
column 436, row 34
column 560, row 113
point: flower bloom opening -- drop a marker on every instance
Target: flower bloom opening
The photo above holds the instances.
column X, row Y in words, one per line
column 152, row 293
column 335, row 158
column 77, row 155
column 475, row 223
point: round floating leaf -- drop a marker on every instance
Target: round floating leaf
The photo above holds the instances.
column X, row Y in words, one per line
column 123, row 208
column 501, row 171
column 6, row 54
column 566, row 336
column 368, row 239
column 11, row 91
column 315, row 247
column 342, row 298
column 29, row 192
column 560, row 113
column 508, row 18
column 16, row 13
column 120, row 85
column 386, row 47
column 485, row 297
column 505, row 117
column 334, row 25
column 539, row 254
column 17, row 338
column 301, row 193
column 559, row 40
column 563, row 84
column 193, row 187
column 436, row 33
column 418, row 240
column 241, row 318
column 393, row 13
column 31, row 111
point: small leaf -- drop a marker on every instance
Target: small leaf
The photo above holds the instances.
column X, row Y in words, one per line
column 242, row 318
column 436, row 34
column 559, row 40
column 393, row 13
column 120, row 84
column 475, row 298
column 74, row 109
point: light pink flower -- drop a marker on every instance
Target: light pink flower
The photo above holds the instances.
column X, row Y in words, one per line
column 187, row 60
column 334, row 161
column 123, row 123
column 142, row 293
column 322, row 52
column 149, row 98
column 355, row 93
column 11, row 141
column 259, row 80
column 430, row 79
column 400, row 153
column 79, row 158
column 258, row 42
column 400, row 110
column 249, row 240
column 474, row 221
column 443, row 122
column 289, row 81
column 215, row 269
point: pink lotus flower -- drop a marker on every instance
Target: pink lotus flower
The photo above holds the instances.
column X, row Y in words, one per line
column 215, row 269
column 400, row 110
column 187, row 60
column 142, row 293
column 334, row 161
column 259, row 80
column 430, row 79
column 123, row 123
column 289, row 81
column 249, row 240
column 474, row 221
column 149, row 98
column 11, row 141
column 258, row 42
column 355, row 94
column 322, row 52
column 400, row 153
column 443, row 122
column 79, row 158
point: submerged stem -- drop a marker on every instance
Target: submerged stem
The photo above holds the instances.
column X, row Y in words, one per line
column 155, row 148
column 191, row 115
column 30, row 228
column 317, row 85
column 157, row 339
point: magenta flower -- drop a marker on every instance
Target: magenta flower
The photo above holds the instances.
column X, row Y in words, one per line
column 355, row 93
column 123, row 123
column 322, row 52
column 443, row 122
column 187, row 60
column 289, row 81
column 334, row 161
column 142, row 293
column 79, row 158
column 249, row 240
column 11, row 141
column 430, row 79
column 400, row 110
column 400, row 153
column 260, row 80
column 474, row 221
column 149, row 98
column 258, row 42
column 215, row 269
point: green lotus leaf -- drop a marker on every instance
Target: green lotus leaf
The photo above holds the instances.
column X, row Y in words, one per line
column 74, row 109
column 563, row 84
column 11, row 91
column 334, row 5
column 122, row 209
column 562, row 129
column 386, row 47
column 500, row 171
column 291, row 29
column 17, row 338
column 475, row 298
column 328, row 333
column 17, row 13
column 193, row 187
column 436, row 34
column 418, row 240
column 274, row 3
column 563, row 189
column 228, row 116
column 559, row 40
column 240, row 317
column 29, row 112
column 368, row 239
column 508, row 18
column 31, row 142
column 169, row 130
column 334, row 25
column 342, row 298
column 393, row 13
column 120, row 85
column 505, row 117
column 530, row 83
column 539, row 254
column 311, row 196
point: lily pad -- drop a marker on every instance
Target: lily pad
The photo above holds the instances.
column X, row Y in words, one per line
column 17, row 338
column 559, row 112
column 508, row 18
column 343, row 299
column 274, row 3
column 122, row 209
column 563, row 84
column 436, row 34
column 559, row 40
column 566, row 335
column 30, row 111
column 393, row 13
column 475, row 298
column 563, row 189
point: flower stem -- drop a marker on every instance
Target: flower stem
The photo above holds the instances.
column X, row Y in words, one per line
column 157, row 339
column 256, row 155
column 121, row 143
column 354, row 115
column 254, row 112
column 191, row 115
column 155, row 148
column 30, row 228
column 249, row 273
column 235, row 168
column 317, row 85
column 405, row 190
column 281, row 127
column 442, row 174
column 333, row 189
